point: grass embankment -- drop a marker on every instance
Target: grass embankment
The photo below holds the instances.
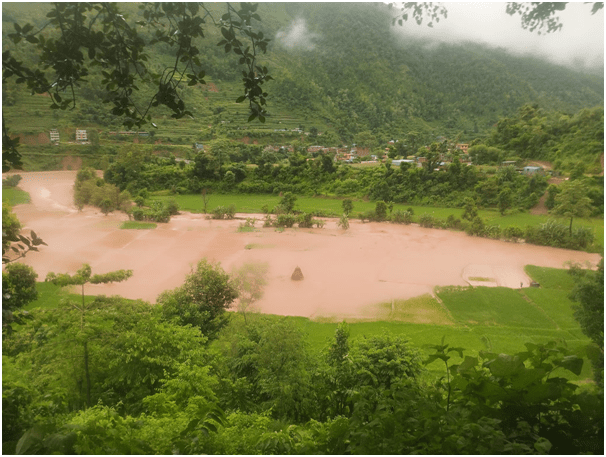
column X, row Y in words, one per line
column 15, row 196
column 495, row 319
column 253, row 203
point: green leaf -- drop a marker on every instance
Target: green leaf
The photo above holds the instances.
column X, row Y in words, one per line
column 467, row 364
column 542, row 445
column 504, row 365
column 571, row 363
column 434, row 357
column 527, row 377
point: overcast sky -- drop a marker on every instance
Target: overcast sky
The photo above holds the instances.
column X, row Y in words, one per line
column 579, row 43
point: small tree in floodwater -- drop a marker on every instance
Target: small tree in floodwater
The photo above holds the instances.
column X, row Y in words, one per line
column 83, row 276
column 205, row 199
column 249, row 280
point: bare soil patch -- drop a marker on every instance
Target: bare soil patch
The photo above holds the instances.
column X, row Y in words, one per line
column 345, row 271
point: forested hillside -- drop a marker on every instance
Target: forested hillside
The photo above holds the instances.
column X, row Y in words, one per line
column 338, row 68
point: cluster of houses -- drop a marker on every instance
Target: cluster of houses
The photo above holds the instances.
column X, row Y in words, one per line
column 81, row 137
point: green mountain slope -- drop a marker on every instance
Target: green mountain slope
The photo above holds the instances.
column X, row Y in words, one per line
column 345, row 72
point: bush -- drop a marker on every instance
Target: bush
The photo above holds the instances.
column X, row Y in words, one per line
column 285, row 220
column 493, row 232
column 11, row 181
column 552, row 233
column 138, row 214
column 401, row 217
column 453, row 222
column 305, row 220
column 476, row 228
column 288, row 202
column 513, row 233
column 427, row 220
column 347, row 206
column 223, row 212
column 581, row 238
column 381, row 211
column 343, row 222
column 172, row 207
column 368, row 216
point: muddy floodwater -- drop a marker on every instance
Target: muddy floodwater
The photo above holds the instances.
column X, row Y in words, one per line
column 344, row 271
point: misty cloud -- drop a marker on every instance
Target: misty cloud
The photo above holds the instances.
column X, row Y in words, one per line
column 580, row 43
column 297, row 36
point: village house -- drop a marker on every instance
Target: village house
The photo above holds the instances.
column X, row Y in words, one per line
column 463, row 147
column 81, row 135
column 532, row 170
column 54, row 136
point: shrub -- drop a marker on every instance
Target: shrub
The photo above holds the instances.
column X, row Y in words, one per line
column 401, row 217
column 493, row 232
column 305, row 220
column 288, row 202
column 368, row 216
column 552, row 233
column 347, row 206
column 160, row 216
column 138, row 214
column 285, row 220
column 139, row 201
column 223, row 212
column 11, row 181
column 581, row 238
column 343, row 222
column 381, row 211
column 476, row 228
column 172, row 207
column 513, row 233
column 453, row 222
column 427, row 220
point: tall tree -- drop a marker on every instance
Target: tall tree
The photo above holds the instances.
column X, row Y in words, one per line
column 84, row 276
column 249, row 280
column 202, row 299
column 573, row 201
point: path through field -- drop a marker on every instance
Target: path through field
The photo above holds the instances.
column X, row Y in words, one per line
column 345, row 271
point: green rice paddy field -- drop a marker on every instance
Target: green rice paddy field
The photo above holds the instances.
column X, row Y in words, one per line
column 250, row 203
column 476, row 318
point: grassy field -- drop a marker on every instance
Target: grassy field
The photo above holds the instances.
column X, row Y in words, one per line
column 483, row 318
column 253, row 203
column 15, row 196
column 135, row 225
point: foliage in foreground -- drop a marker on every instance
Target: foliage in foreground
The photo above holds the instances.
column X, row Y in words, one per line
column 162, row 389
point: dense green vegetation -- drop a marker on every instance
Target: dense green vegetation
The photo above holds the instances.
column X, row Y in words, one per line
column 98, row 375
column 273, row 384
column 392, row 89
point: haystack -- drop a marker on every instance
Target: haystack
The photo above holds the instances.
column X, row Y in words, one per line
column 297, row 275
